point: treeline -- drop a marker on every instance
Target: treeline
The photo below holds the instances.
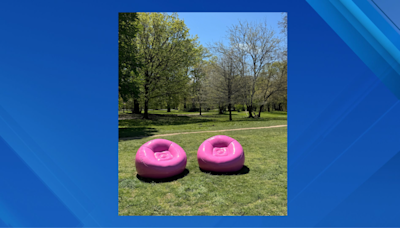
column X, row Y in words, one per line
column 162, row 66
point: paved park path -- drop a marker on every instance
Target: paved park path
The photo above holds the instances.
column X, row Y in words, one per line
column 195, row 132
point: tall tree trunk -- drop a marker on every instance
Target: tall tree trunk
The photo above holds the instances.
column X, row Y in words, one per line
column 168, row 106
column 199, row 104
column 268, row 106
column 200, row 109
column 146, row 109
column 136, row 108
column 146, row 102
column 184, row 102
column 220, row 108
column 230, row 112
column 132, row 108
column 259, row 112
column 250, row 110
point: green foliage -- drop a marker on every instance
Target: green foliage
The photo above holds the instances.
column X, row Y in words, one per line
column 120, row 102
column 168, row 51
column 272, row 85
column 239, row 107
column 128, row 56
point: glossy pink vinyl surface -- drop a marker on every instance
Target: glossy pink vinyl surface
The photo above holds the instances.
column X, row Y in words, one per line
column 160, row 158
column 220, row 153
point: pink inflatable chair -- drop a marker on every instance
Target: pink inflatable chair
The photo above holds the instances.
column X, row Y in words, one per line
column 160, row 158
column 220, row 154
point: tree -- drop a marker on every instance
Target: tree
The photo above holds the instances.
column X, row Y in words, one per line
column 227, row 82
column 283, row 25
column 199, row 82
column 129, row 81
column 272, row 82
column 165, row 45
column 257, row 46
column 174, row 81
column 197, row 76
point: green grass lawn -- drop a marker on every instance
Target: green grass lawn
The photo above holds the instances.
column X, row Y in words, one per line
column 260, row 188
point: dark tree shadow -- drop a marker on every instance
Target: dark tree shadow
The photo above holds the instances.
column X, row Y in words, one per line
column 139, row 132
column 163, row 120
column 242, row 171
column 163, row 180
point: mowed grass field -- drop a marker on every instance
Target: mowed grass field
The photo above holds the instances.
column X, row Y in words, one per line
column 260, row 188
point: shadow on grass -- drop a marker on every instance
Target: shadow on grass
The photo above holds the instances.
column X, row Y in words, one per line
column 162, row 120
column 242, row 171
column 163, row 180
column 139, row 132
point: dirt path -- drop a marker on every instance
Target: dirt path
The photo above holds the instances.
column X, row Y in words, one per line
column 194, row 132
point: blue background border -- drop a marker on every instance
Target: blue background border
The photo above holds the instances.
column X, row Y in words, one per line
column 58, row 115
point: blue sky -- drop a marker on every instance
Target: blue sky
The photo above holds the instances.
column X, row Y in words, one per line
column 212, row 27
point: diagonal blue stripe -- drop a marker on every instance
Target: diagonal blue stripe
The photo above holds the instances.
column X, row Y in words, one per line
column 380, row 20
column 373, row 30
column 390, row 7
column 373, row 48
